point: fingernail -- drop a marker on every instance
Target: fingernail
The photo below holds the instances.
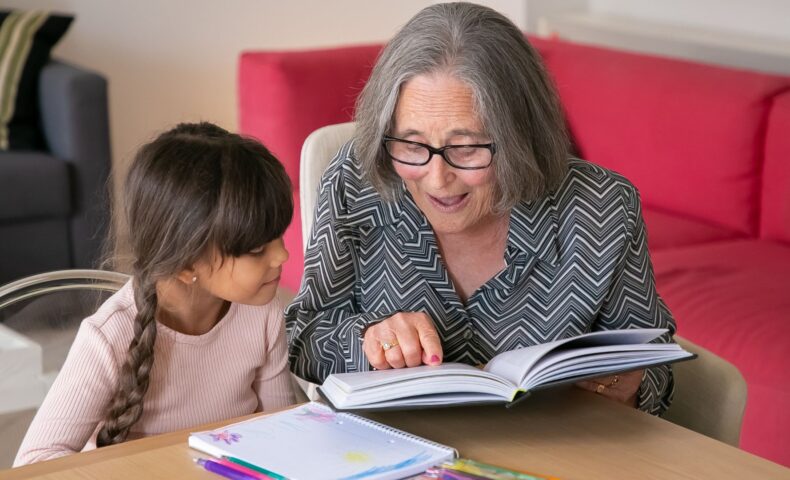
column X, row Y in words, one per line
column 434, row 358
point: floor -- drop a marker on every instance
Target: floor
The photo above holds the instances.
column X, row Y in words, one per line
column 12, row 429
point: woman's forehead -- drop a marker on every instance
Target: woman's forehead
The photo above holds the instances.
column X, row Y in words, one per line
column 437, row 101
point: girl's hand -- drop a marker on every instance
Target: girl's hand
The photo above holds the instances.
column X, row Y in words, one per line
column 621, row 388
column 406, row 339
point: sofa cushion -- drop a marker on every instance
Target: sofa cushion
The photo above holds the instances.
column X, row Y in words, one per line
column 26, row 38
column 285, row 96
column 667, row 230
column 33, row 246
column 775, row 219
column 690, row 136
column 33, row 185
column 732, row 298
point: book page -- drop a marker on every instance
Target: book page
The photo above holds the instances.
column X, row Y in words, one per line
column 599, row 366
column 516, row 364
column 423, row 385
column 313, row 442
column 362, row 380
column 565, row 359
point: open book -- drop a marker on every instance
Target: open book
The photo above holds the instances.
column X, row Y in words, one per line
column 508, row 377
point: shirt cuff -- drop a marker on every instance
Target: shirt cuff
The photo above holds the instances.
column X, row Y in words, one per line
column 656, row 391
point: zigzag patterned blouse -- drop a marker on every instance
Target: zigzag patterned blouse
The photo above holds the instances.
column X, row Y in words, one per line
column 576, row 261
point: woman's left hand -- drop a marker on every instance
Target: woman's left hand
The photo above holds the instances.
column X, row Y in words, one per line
column 622, row 387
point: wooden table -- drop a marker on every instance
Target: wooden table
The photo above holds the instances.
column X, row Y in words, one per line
column 567, row 433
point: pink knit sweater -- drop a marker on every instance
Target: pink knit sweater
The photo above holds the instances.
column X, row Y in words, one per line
column 237, row 368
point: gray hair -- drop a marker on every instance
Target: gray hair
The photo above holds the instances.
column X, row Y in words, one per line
column 513, row 96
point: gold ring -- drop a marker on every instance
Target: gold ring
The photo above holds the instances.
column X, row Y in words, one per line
column 600, row 388
column 387, row 345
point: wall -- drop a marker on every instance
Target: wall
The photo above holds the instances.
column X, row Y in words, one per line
column 175, row 60
column 752, row 35
column 759, row 18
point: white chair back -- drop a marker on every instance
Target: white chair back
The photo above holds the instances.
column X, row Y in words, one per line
column 318, row 150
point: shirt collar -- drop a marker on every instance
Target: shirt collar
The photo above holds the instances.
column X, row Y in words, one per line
column 533, row 225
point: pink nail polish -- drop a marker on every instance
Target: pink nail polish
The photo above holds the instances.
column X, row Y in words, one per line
column 434, row 358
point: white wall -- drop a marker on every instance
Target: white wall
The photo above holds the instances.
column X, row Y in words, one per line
column 175, row 60
column 760, row 18
column 749, row 34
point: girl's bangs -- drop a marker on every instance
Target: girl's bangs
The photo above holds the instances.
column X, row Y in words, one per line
column 255, row 204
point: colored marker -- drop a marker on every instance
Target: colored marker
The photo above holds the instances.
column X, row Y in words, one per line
column 256, row 468
column 222, row 470
column 242, row 468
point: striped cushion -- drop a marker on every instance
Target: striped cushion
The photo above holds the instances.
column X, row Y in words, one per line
column 26, row 38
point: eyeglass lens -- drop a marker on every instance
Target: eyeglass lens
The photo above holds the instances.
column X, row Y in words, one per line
column 460, row 156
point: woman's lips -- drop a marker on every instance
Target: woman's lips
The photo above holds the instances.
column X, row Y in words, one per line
column 449, row 204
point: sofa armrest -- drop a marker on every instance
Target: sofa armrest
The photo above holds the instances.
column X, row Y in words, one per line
column 76, row 126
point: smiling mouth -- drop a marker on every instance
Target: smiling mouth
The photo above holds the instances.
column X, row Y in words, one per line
column 449, row 203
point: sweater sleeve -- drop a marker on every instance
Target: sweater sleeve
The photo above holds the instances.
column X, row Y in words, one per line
column 273, row 379
column 634, row 302
column 77, row 401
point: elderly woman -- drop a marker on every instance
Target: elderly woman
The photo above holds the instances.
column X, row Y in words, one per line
column 455, row 226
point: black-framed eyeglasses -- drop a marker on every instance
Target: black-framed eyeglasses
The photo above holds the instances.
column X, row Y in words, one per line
column 464, row 157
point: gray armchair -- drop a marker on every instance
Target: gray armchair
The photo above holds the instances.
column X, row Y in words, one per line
column 54, row 209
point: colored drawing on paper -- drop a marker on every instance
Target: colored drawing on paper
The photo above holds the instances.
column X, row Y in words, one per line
column 420, row 457
column 225, row 436
column 356, row 457
column 309, row 413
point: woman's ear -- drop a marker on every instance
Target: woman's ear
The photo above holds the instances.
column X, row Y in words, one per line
column 187, row 276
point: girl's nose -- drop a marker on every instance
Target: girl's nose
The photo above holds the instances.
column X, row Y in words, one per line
column 280, row 255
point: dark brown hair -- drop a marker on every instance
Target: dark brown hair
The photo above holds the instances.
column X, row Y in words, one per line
column 193, row 188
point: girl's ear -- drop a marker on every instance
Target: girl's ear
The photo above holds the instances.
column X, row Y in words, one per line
column 187, row 276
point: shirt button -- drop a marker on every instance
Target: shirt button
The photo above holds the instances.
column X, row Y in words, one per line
column 468, row 334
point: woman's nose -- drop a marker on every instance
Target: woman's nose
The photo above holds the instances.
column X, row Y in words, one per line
column 439, row 172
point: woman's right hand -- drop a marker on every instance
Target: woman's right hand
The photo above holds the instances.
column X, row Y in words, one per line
column 412, row 341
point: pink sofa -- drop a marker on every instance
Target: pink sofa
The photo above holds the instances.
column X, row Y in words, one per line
column 708, row 148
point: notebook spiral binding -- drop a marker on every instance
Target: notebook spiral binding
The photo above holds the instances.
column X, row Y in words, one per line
column 391, row 430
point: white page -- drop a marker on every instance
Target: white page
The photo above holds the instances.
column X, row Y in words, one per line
column 348, row 390
column 437, row 400
column 516, row 364
column 593, row 355
column 357, row 381
column 621, row 364
column 361, row 380
column 420, row 388
column 311, row 442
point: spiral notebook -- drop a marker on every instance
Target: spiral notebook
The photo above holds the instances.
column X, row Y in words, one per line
column 312, row 442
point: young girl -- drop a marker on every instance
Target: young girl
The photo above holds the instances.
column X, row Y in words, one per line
column 196, row 336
